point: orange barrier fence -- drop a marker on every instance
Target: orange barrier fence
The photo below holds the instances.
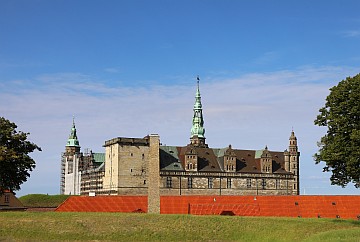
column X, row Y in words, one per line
column 125, row 204
column 347, row 207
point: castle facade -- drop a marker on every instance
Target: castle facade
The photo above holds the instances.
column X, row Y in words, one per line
column 141, row 166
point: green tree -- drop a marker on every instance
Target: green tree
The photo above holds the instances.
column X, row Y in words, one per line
column 15, row 163
column 340, row 147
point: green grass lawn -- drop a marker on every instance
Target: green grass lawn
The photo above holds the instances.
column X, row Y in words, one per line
column 47, row 226
column 42, row 200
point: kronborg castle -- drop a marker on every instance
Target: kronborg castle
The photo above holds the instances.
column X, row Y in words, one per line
column 131, row 166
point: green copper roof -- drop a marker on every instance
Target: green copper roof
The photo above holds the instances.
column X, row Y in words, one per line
column 258, row 154
column 73, row 139
column 169, row 159
column 198, row 120
column 99, row 157
column 219, row 152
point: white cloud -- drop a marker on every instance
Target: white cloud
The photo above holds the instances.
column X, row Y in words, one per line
column 112, row 69
column 351, row 33
column 249, row 112
column 267, row 57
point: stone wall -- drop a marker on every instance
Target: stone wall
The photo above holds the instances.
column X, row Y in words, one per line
column 210, row 185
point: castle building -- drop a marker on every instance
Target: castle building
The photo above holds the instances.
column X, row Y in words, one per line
column 140, row 166
column 80, row 171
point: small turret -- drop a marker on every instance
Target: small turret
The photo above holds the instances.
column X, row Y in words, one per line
column 191, row 159
column 229, row 160
column 287, row 160
column 266, row 161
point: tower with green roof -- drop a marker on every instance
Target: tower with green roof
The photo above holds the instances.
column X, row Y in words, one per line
column 70, row 176
column 197, row 130
column 72, row 144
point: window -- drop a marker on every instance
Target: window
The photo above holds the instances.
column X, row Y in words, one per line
column 267, row 168
column 169, row 182
column 190, row 182
column 228, row 183
column 295, row 186
column 248, row 183
column 263, row 183
column 7, row 199
column 210, row 182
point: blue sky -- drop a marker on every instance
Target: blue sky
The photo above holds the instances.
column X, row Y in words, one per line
column 128, row 68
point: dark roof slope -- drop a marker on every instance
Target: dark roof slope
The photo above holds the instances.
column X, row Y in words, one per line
column 172, row 158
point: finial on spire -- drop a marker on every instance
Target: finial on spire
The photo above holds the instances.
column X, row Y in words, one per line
column 292, row 131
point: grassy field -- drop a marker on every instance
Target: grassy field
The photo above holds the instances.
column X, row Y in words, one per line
column 42, row 200
column 56, row 226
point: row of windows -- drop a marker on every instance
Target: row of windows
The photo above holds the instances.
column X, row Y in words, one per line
column 190, row 166
column 131, row 154
column 230, row 167
column 191, row 156
column 228, row 183
column 267, row 169
column 230, row 158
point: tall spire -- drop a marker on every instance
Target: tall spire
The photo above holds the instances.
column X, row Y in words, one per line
column 73, row 139
column 197, row 129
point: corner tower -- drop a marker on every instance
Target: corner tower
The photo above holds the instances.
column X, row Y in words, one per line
column 197, row 130
column 70, row 178
column 293, row 159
